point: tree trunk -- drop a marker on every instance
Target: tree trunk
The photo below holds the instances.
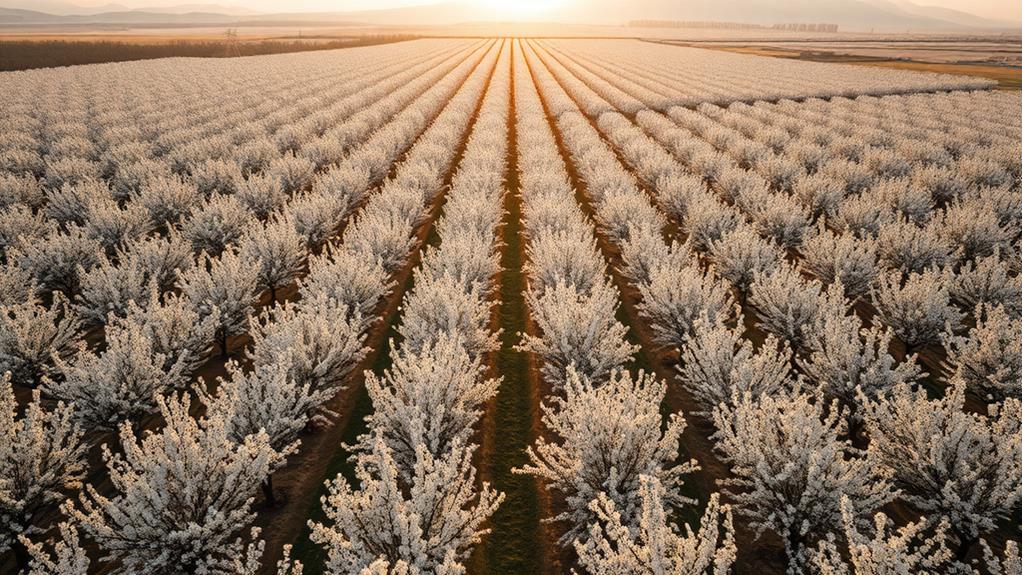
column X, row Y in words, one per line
column 793, row 542
column 137, row 430
column 223, row 345
column 22, row 556
column 964, row 546
column 854, row 427
column 273, row 294
column 271, row 501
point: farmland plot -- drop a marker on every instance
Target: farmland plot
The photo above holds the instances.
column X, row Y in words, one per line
column 583, row 291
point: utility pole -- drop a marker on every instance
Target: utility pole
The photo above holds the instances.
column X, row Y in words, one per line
column 231, row 46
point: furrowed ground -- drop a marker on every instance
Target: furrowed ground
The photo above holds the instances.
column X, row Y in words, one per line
column 508, row 306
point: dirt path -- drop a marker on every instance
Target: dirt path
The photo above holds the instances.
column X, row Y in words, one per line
column 511, row 424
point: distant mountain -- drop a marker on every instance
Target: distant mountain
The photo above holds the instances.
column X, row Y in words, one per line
column 15, row 17
column 850, row 14
column 857, row 14
column 946, row 14
column 202, row 8
column 18, row 16
column 881, row 15
column 69, row 8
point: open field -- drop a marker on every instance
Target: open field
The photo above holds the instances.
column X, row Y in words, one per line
column 509, row 305
column 993, row 59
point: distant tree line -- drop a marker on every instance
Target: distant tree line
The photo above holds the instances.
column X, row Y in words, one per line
column 30, row 54
column 793, row 27
column 804, row 27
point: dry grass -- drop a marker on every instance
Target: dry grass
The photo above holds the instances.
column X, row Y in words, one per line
column 1007, row 77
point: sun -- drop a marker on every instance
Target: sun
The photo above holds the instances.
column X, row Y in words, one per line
column 520, row 9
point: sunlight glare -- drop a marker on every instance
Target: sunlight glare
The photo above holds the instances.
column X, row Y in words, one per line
column 520, row 9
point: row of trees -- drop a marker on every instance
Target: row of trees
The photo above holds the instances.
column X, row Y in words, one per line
column 662, row 75
column 416, row 506
column 613, row 458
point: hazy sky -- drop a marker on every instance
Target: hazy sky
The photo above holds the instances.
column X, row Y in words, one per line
column 1010, row 9
column 997, row 9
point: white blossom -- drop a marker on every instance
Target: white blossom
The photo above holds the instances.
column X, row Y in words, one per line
column 32, row 337
column 177, row 331
column 989, row 358
column 113, row 227
column 431, row 397
column 741, row 254
column 850, row 362
column 909, row 248
column 708, row 220
column 564, row 256
column 19, row 224
column 579, row 330
column 791, row 469
column 107, row 290
column 316, row 216
column 160, row 258
column 217, row 177
column 217, row 224
column 610, row 435
column 168, row 200
column 57, row 261
column 675, row 297
column 293, row 173
column 16, row 285
column 266, row 401
column 787, row 305
column 119, row 384
column 226, row 286
column 841, row 257
column 620, row 211
column 862, row 216
column 280, row 251
column 42, row 459
column 1010, row 564
column 180, row 496
column 69, row 171
column 345, row 278
column 317, row 340
column 396, row 525
column 913, row 203
column 467, row 256
column 781, row 219
column 910, row 549
column 439, row 308
column 975, row 229
column 717, row 364
column 69, row 557
column 130, row 178
column 645, row 250
column 919, row 309
column 949, row 462
column 677, row 190
column 988, row 282
column 820, row 193
column 262, row 195
column 384, row 237
column 654, row 546
column 71, row 204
